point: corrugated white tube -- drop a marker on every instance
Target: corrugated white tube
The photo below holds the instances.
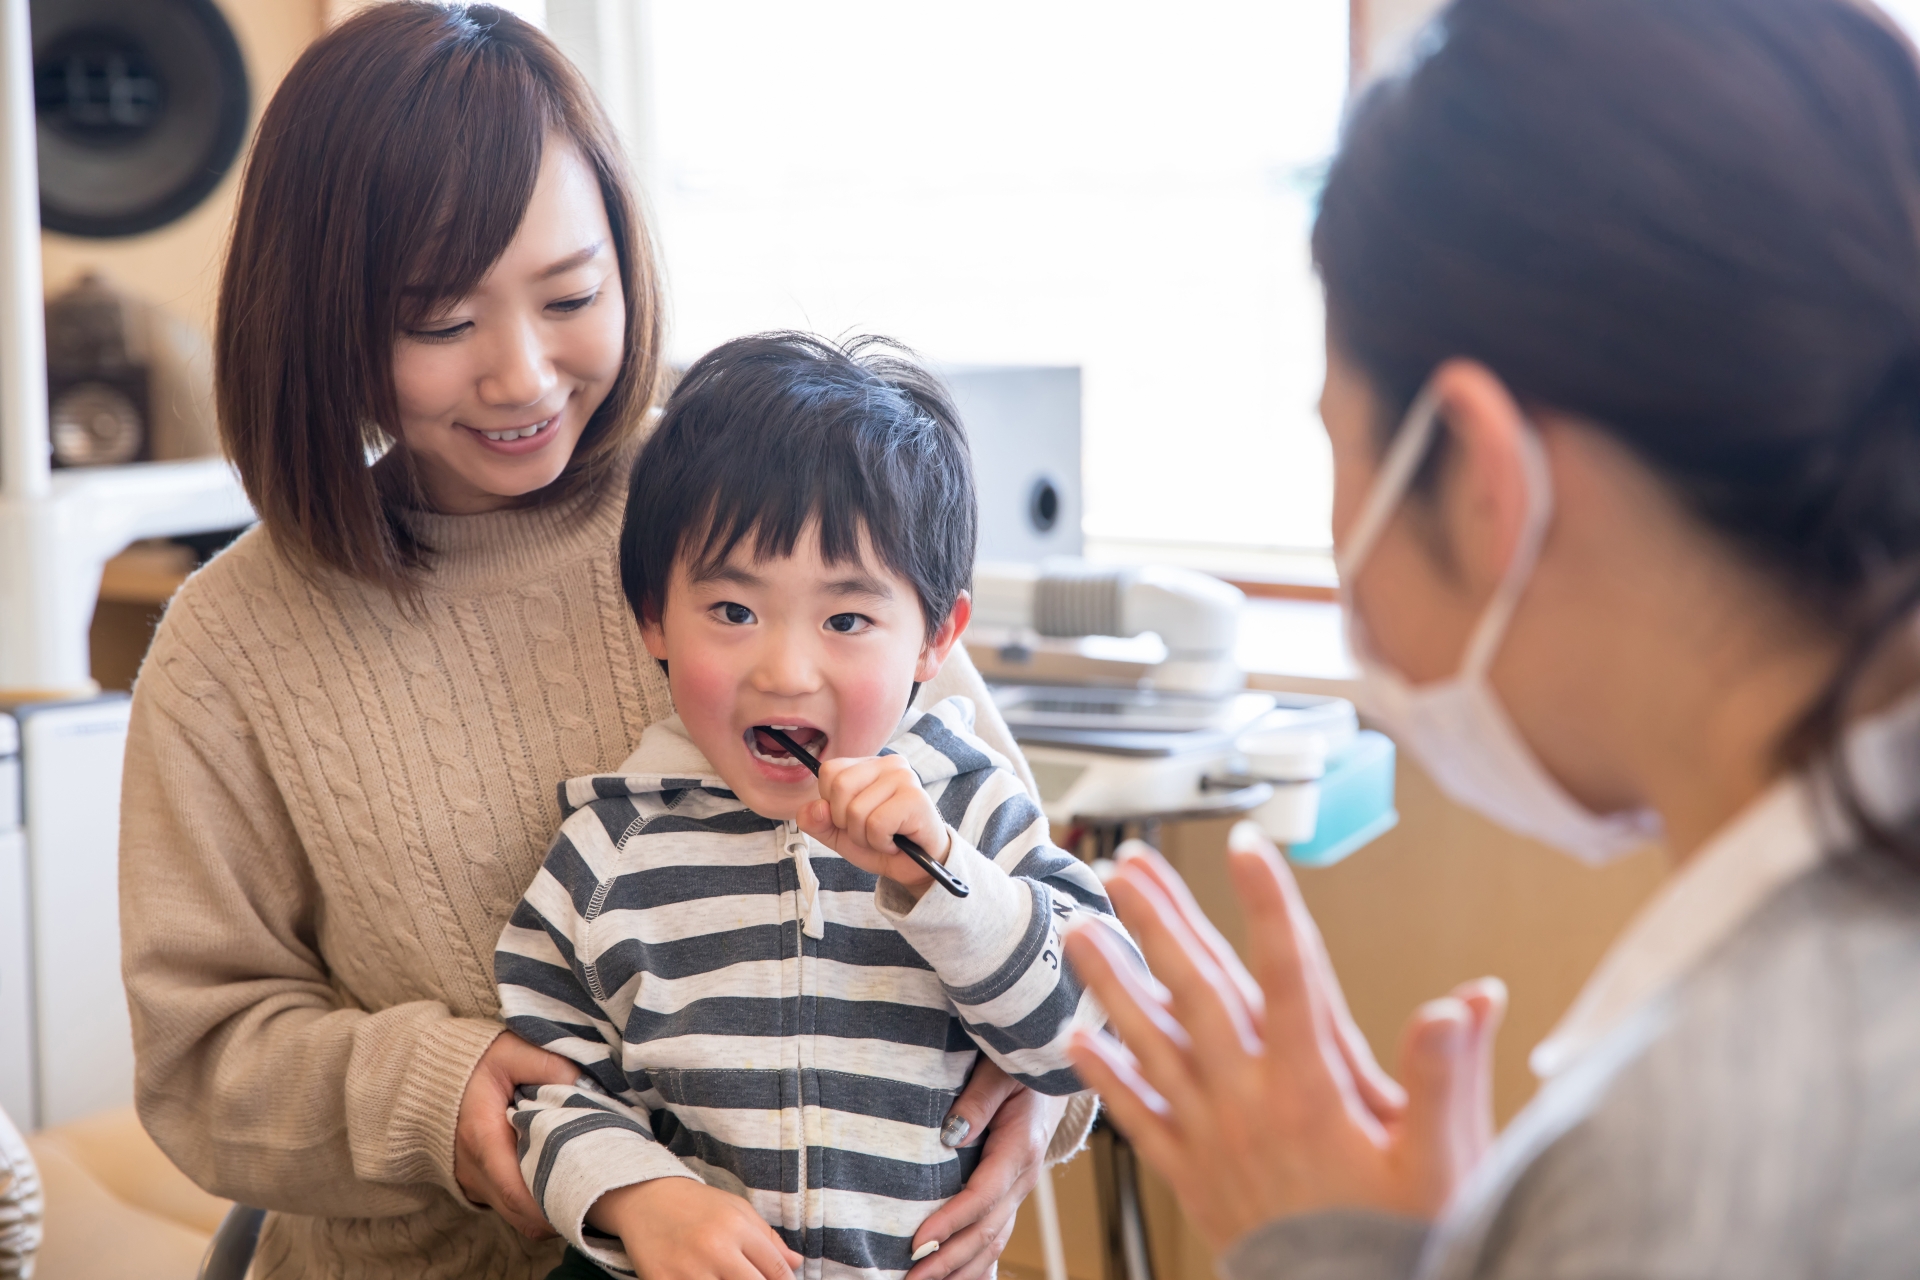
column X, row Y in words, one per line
column 24, row 460
column 1052, row 1248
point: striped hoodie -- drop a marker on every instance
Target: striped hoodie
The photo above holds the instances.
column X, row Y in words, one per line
column 751, row 1009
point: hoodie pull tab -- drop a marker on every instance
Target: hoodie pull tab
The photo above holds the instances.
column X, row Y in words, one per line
column 815, row 921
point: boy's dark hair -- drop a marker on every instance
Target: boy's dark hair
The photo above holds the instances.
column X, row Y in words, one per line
column 769, row 433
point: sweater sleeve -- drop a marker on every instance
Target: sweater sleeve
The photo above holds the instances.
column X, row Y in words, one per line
column 251, row 1071
column 576, row 1143
column 1334, row 1244
column 997, row 950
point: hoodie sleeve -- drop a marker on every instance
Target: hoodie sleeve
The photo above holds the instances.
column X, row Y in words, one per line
column 998, row 951
column 581, row 1141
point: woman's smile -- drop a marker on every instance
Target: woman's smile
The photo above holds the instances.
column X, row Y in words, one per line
column 515, row 441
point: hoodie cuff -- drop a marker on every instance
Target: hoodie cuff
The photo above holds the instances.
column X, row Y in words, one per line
column 1075, row 1127
column 971, row 942
column 589, row 1166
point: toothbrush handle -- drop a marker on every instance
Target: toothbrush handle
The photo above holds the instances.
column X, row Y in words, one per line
column 946, row 879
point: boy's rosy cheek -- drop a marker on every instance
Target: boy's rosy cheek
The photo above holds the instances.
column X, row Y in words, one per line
column 880, row 699
column 702, row 690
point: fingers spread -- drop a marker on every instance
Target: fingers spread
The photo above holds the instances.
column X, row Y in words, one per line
column 1134, row 1013
column 1147, row 861
column 1486, row 1001
column 1436, row 1062
column 1378, row 1091
column 1205, row 1000
column 1304, row 1051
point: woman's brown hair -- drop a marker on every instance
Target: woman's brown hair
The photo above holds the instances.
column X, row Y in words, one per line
column 391, row 170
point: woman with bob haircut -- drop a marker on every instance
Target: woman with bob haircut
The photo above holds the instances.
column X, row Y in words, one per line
column 439, row 337
column 1623, row 388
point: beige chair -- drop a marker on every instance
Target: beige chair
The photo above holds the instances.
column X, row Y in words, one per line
column 106, row 1205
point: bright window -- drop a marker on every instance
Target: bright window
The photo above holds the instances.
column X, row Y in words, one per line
column 1122, row 186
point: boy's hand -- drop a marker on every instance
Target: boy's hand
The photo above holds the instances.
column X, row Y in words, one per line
column 866, row 801
column 683, row 1229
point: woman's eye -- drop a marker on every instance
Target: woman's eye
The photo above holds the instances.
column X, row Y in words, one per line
column 738, row 614
column 447, row 334
column 846, row 623
column 574, row 304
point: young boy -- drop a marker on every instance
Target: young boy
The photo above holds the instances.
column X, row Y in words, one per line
column 773, row 1007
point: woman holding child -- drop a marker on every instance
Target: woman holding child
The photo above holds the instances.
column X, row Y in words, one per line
column 349, row 733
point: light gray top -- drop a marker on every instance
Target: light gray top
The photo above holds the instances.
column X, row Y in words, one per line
column 1737, row 1093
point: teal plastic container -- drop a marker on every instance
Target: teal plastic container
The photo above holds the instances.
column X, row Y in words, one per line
column 1356, row 802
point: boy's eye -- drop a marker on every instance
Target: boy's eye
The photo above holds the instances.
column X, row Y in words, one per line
column 738, row 614
column 847, row 623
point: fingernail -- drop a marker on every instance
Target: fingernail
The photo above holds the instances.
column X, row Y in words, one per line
column 931, row 1247
column 1246, row 837
column 952, row 1134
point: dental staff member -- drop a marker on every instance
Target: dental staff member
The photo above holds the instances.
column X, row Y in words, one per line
column 1623, row 388
column 348, row 735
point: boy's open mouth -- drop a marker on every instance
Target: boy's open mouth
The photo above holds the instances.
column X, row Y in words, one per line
column 762, row 747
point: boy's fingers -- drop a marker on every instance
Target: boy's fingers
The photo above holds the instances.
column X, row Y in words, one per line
column 770, row 1256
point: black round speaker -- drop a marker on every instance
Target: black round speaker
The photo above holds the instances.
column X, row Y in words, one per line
column 1043, row 505
column 142, row 106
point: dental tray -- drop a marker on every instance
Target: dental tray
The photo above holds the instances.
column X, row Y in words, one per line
column 1045, row 707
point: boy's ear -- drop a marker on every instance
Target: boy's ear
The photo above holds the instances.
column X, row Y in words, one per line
column 933, row 655
column 654, row 636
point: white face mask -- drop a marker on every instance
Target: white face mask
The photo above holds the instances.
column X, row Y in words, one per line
column 1456, row 728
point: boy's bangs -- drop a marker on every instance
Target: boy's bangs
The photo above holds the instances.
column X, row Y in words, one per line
column 772, row 515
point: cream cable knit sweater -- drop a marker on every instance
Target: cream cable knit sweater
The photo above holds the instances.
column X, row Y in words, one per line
column 329, row 810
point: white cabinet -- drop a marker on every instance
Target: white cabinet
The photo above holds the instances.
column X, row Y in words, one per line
column 66, row 1046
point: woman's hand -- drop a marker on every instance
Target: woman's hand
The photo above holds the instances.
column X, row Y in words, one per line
column 1254, row 1096
column 973, row 1226
column 486, row 1150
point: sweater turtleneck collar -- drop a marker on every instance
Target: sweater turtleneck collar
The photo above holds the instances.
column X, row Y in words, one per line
column 517, row 543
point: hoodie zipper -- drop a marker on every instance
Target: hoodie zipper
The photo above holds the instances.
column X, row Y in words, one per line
column 796, row 848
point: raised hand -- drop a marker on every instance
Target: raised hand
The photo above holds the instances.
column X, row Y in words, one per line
column 1252, row 1093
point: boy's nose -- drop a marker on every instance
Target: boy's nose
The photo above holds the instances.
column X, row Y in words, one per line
column 785, row 669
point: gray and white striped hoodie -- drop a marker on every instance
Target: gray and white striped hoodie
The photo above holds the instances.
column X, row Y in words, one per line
column 752, row 1009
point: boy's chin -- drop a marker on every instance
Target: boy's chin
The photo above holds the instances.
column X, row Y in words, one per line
column 779, row 801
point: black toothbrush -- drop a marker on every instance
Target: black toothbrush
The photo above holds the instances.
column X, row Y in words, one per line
column 947, row 880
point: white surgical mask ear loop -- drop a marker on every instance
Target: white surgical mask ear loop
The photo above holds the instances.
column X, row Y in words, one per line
column 1396, row 473
column 1492, row 627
